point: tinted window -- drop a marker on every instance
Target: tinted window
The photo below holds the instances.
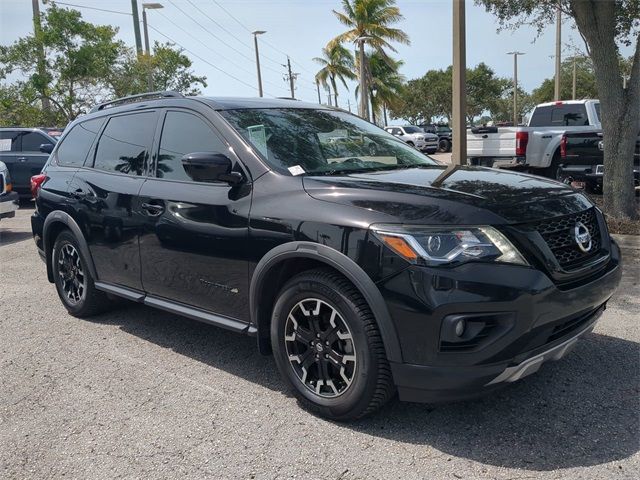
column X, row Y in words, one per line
column 183, row 133
column 541, row 117
column 75, row 146
column 124, row 144
column 31, row 141
column 569, row 116
column 413, row 130
column 10, row 141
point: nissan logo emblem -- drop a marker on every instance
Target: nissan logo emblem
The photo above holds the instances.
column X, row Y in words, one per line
column 582, row 236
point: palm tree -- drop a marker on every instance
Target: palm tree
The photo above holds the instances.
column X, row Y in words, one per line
column 337, row 62
column 369, row 21
column 385, row 83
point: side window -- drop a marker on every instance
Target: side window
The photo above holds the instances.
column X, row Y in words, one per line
column 124, row 144
column 74, row 148
column 183, row 133
column 31, row 141
column 10, row 141
column 541, row 117
column 569, row 116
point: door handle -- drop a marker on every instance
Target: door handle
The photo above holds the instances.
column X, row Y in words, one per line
column 22, row 159
column 152, row 209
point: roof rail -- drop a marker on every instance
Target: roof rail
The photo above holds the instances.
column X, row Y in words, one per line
column 136, row 98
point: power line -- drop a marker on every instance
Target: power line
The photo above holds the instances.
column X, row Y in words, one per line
column 90, row 8
column 202, row 59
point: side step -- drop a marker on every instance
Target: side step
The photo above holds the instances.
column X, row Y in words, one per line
column 228, row 323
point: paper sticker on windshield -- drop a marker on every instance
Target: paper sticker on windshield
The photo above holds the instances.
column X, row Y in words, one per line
column 5, row 145
column 258, row 137
column 296, row 170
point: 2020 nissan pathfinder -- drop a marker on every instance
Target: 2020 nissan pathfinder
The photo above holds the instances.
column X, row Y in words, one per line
column 366, row 271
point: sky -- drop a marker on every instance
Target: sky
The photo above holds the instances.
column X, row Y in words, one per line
column 218, row 39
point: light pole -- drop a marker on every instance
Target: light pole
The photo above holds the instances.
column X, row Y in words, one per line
column 255, row 42
column 558, row 53
column 363, row 109
column 136, row 25
column 459, row 111
column 515, row 86
column 145, row 7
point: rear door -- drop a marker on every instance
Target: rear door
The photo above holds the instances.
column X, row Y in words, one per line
column 11, row 153
column 32, row 159
column 194, row 244
column 105, row 193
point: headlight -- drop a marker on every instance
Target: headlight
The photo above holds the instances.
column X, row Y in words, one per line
column 446, row 245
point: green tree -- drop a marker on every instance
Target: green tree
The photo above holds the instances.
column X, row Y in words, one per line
column 483, row 90
column 170, row 69
column 79, row 56
column 20, row 104
column 337, row 63
column 585, row 82
column 502, row 109
column 385, row 84
column 371, row 21
column 605, row 26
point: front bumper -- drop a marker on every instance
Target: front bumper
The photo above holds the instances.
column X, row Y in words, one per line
column 540, row 322
column 9, row 203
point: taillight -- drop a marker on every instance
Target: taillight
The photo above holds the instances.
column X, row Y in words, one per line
column 36, row 183
column 522, row 138
column 563, row 146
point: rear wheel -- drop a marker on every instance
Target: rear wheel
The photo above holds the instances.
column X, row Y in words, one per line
column 73, row 281
column 444, row 145
column 328, row 347
column 553, row 170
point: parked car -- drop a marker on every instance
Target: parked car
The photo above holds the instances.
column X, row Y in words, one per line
column 582, row 155
column 415, row 137
column 536, row 147
column 362, row 274
column 8, row 198
column 24, row 151
column 56, row 133
column 444, row 134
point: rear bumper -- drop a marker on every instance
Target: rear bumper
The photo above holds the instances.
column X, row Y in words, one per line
column 536, row 322
column 9, row 203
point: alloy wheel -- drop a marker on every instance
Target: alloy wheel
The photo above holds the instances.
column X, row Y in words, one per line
column 73, row 279
column 320, row 348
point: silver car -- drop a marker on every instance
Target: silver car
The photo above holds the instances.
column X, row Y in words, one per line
column 416, row 137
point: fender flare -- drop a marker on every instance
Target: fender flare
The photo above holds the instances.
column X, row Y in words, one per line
column 58, row 216
column 343, row 264
column 552, row 148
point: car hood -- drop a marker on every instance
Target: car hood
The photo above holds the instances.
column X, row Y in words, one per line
column 453, row 195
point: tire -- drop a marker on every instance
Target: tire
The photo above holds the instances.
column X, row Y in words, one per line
column 444, row 145
column 552, row 171
column 74, row 283
column 363, row 382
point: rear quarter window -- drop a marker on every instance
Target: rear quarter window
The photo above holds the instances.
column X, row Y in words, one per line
column 74, row 148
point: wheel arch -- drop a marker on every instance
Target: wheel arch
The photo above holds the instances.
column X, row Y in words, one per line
column 273, row 267
column 56, row 222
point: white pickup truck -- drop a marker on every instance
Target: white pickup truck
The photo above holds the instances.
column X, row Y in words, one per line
column 536, row 147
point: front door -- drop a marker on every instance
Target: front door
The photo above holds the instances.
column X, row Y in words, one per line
column 193, row 248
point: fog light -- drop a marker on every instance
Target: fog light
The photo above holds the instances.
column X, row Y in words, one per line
column 461, row 326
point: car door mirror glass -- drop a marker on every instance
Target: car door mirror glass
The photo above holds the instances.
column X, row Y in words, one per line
column 210, row 167
column 46, row 147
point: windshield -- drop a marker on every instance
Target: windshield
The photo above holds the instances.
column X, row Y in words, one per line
column 413, row 130
column 302, row 140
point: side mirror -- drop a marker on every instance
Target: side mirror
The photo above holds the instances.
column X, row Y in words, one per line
column 210, row 167
column 46, row 147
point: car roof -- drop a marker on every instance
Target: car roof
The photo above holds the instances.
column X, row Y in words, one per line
column 236, row 103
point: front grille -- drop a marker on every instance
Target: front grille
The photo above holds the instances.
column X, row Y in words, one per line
column 559, row 234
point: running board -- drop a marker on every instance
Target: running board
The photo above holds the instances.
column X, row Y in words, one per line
column 177, row 308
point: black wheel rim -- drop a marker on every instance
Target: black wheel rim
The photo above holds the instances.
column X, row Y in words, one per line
column 320, row 348
column 72, row 278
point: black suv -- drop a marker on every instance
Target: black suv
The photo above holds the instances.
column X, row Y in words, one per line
column 364, row 270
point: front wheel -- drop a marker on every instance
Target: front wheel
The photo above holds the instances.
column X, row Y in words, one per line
column 444, row 145
column 328, row 347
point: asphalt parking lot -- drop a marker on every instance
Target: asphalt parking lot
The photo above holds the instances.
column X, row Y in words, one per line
column 139, row 393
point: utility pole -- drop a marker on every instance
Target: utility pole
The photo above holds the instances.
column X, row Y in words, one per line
column 147, row 48
column 573, row 87
column 515, row 86
column 558, row 52
column 37, row 30
column 136, row 25
column 459, row 122
column 255, row 43
column 292, row 78
column 349, row 104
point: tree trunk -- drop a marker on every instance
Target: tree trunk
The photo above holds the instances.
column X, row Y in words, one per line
column 335, row 90
column 620, row 107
